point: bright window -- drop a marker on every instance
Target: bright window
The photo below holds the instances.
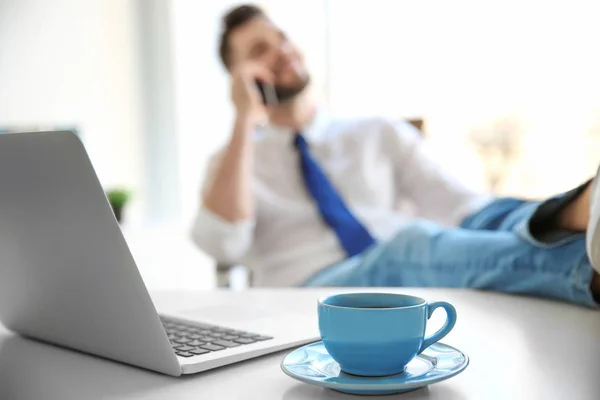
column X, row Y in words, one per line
column 516, row 78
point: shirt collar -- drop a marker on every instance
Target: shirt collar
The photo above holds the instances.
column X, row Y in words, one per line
column 313, row 131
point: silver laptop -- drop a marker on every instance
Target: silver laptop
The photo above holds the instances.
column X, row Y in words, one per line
column 68, row 278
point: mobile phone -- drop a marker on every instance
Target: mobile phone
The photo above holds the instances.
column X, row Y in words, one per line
column 267, row 93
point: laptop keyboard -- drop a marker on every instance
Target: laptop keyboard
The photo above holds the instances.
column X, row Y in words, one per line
column 190, row 340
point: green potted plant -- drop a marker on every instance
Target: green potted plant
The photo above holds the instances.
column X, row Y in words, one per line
column 118, row 198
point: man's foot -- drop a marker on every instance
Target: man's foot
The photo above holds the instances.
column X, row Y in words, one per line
column 576, row 215
column 595, row 286
column 593, row 229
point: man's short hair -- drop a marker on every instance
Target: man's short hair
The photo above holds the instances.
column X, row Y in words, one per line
column 235, row 18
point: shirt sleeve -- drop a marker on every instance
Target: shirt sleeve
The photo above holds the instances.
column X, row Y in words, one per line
column 436, row 194
column 226, row 241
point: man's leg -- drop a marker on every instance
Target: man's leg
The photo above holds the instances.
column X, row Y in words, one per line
column 548, row 220
column 501, row 256
column 593, row 230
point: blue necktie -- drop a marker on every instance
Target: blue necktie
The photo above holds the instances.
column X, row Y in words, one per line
column 353, row 236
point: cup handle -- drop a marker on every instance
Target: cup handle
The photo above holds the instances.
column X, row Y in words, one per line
column 444, row 330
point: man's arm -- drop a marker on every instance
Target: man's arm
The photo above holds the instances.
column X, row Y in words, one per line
column 224, row 225
column 229, row 193
column 224, row 239
column 437, row 194
column 225, row 222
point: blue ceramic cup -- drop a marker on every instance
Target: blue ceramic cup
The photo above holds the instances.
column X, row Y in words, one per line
column 377, row 334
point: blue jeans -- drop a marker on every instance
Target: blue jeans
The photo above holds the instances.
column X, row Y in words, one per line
column 491, row 250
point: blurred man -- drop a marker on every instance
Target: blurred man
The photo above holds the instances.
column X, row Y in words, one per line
column 312, row 200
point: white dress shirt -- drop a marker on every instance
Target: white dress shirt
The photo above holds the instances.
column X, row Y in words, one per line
column 375, row 164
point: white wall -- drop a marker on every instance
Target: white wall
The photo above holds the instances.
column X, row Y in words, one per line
column 74, row 63
column 161, row 187
column 104, row 66
column 465, row 65
column 201, row 92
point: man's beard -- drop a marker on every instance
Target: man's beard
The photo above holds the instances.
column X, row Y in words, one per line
column 286, row 93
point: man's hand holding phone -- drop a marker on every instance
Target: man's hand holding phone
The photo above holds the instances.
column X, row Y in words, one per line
column 252, row 85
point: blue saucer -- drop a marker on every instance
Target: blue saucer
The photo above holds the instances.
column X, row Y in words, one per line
column 313, row 365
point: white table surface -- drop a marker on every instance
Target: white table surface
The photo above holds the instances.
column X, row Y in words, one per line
column 520, row 348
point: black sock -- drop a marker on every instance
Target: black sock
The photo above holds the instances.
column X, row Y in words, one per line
column 545, row 218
